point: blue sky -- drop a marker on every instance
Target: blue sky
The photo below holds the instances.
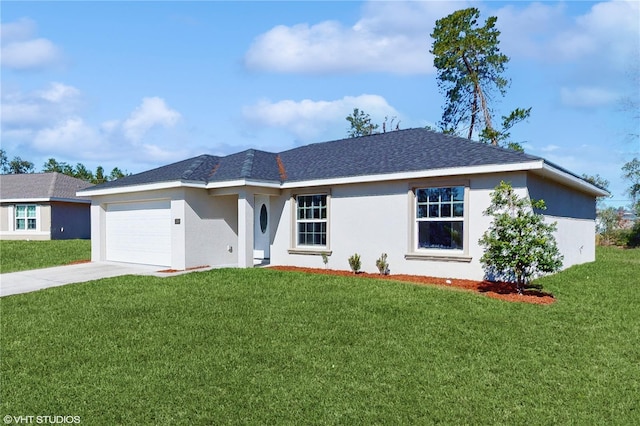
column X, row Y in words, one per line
column 142, row 84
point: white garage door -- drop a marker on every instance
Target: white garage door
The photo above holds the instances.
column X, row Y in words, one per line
column 139, row 232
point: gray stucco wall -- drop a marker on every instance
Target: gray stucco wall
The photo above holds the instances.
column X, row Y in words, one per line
column 373, row 218
column 70, row 221
column 574, row 213
column 4, row 218
column 561, row 200
column 211, row 226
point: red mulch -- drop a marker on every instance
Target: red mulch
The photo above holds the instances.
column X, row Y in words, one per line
column 171, row 271
column 77, row 262
column 497, row 290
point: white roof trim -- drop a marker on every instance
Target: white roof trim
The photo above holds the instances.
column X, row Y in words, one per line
column 420, row 174
column 45, row 200
column 177, row 184
column 25, row 200
column 139, row 188
column 244, row 182
column 538, row 166
column 572, row 181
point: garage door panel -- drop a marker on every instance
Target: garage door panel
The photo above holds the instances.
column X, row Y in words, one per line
column 139, row 232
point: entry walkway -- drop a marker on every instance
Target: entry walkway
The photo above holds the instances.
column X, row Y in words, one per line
column 38, row 279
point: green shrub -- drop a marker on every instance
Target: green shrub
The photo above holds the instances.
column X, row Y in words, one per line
column 518, row 245
column 354, row 263
column 633, row 239
column 382, row 264
column 325, row 259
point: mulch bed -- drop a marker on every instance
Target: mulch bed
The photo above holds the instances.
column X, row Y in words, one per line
column 77, row 262
column 497, row 290
column 193, row 268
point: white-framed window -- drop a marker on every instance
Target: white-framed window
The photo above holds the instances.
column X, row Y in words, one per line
column 440, row 218
column 25, row 217
column 311, row 220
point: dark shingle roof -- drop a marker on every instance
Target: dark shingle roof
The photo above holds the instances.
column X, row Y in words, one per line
column 49, row 186
column 250, row 164
column 392, row 152
column 398, row 151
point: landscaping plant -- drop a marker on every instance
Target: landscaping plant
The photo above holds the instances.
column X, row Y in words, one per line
column 382, row 264
column 325, row 259
column 354, row 263
column 518, row 245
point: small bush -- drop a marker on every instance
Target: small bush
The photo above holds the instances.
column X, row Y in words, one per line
column 633, row 239
column 382, row 264
column 325, row 259
column 354, row 263
column 616, row 237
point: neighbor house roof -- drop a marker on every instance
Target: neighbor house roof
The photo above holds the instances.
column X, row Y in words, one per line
column 384, row 154
column 41, row 187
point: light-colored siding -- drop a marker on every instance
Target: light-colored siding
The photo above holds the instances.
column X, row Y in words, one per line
column 5, row 218
column 369, row 219
column 207, row 226
column 211, row 224
column 98, row 221
column 43, row 216
column 574, row 213
column 374, row 218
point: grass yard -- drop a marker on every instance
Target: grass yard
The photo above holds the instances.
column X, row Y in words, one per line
column 25, row 255
column 269, row 347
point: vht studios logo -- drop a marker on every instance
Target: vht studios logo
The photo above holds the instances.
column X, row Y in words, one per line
column 41, row 420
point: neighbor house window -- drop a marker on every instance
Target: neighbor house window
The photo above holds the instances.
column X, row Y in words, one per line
column 311, row 220
column 26, row 217
column 440, row 218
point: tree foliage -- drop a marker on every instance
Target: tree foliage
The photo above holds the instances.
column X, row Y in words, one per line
column 518, row 245
column 4, row 162
column 20, row 166
column 360, row 123
column 631, row 172
column 601, row 183
column 80, row 171
column 470, row 71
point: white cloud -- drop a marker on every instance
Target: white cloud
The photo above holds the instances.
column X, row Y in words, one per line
column 608, row 33
column 22, row 50
column 22, row 29
column 609, row 28
column 71, row 137
column 587, row 97
column 39, row 108
column 390, row 37
column 58, row 92
column 307, row 119
column 151, row 113
column 50, row 121
column 526, row 31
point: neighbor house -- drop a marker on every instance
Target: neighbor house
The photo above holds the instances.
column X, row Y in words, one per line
column 43, row 206
column 414, row 194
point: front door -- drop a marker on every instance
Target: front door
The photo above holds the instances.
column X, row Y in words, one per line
column 261, row 227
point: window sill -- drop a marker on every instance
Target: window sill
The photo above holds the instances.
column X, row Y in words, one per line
column 309, row 251
column 438, row 257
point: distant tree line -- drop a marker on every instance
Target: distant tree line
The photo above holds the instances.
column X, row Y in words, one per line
column 80, row 171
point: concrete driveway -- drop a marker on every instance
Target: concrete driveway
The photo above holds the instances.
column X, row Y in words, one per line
column 37, row 279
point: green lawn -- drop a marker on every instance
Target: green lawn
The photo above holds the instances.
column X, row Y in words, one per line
column 267, row 347
column 25, row 255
